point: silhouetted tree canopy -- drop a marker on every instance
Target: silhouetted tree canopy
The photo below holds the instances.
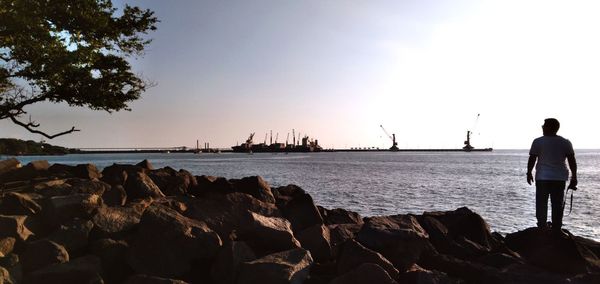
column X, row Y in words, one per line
column 69, row 51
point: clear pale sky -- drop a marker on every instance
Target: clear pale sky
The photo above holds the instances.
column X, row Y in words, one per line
column 336, row 70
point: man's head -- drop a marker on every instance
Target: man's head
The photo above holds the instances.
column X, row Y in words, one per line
column 551, row 126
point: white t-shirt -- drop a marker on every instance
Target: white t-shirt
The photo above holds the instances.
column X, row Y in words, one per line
column 551, row 152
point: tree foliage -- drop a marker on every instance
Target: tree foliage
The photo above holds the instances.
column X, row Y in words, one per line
column 69, row 51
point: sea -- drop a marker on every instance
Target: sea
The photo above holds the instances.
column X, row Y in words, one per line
column 493, row 184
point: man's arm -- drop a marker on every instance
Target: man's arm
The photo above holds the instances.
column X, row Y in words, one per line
column 530, row 164
column 573, row 167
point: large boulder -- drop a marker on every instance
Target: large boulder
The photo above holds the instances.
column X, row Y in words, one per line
column 115, row 196
column 73, row 236
column 470, row 271
column 340, row 233
column 14, row 268
column 255, row 186
column 226, row 213
column 399, row 238
column 8, row 165
column 139, row 185
column 117, row 174
column 226, row 265
column 291, row 266
column 115, row 222
column 316, row 239
column 464, row 223
column 85, row 269
column 96, row 187
column 14, row 203
column 302, row 212
column 5, row 276
column 267, row 234
column 454, row 244
column 113, row 256
column 208, row 185
column 41, row 253
column 61, row 209
column 145, row 164
column 353, row 254
column 339, row 216
column 172, row 182
column 552, row 252
column 367, row 273
column 83, row 171
column 167, row 243
column 57, row 187
column 14, row 226
column 30, row 171
column 284, row 194
column 7, row 244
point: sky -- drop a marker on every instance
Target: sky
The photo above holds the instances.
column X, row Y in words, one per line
column 336, row 70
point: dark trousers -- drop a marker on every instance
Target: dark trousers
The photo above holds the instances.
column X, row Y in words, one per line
column 556, row 190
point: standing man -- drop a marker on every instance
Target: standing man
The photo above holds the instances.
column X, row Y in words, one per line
column 551, row 173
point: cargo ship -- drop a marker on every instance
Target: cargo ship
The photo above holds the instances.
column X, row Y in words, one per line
column 305, row 144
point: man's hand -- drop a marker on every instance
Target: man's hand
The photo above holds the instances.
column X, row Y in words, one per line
column 573, row 183
column 529, row 178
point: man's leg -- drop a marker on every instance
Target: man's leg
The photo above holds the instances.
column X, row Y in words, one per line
column 541, row 202
column 557, row 195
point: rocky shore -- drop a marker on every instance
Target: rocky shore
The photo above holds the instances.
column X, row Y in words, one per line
column 137, row 224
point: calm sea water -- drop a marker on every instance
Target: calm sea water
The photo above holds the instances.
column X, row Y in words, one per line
column 491, row 183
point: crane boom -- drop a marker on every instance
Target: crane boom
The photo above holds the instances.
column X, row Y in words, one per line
column 392, row 137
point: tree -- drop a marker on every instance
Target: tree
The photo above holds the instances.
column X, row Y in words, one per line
column 69, row 51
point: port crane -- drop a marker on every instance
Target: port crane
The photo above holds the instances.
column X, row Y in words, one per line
column 393, row 138
column 468, row 147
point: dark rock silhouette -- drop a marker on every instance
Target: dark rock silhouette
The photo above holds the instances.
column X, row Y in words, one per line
column 138, row 224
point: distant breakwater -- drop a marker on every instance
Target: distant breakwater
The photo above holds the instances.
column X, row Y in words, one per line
column 138, row 224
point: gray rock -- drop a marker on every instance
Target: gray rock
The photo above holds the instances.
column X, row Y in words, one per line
column 115, row 196
column 113, row 256
column 267, row 234
column 172, row 182
column 302, row 212
column 399, row 238
column 290, row 266
column 73, row 236
column 88, row 186
column 11, row 263
column 353, row 255
column 85, row 269
column 14, row 226
column 225, row 213
column 139, row 185
column 42, row 253
column 553, row 253
column 115, row 222
column 14, row 203
column 7, row 244
column 145, row 164
column 227, row 264
column 339, row 216
column 9, row 165
column 30, row 171
column 367, row 273
column 316, row 239
column 167, row 243
column 5, row 276
column 62, row 209
column 255, row 186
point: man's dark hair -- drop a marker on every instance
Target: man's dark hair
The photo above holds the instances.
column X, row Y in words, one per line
column 552, row 124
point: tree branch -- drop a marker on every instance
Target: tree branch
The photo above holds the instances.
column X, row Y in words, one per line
column 31, row 125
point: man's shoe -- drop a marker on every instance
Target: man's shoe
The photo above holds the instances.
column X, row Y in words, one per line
column 560, row 233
